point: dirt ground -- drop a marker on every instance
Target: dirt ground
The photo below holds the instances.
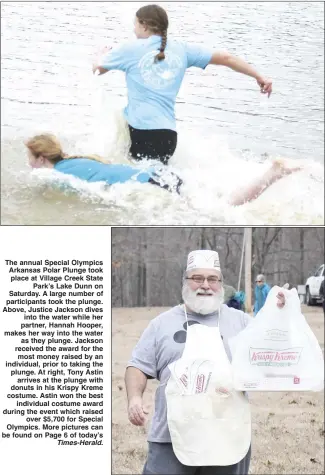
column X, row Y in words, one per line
column 287, row 428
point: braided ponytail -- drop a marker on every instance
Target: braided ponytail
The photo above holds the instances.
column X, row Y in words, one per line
column 161, row 55
column 156, row 19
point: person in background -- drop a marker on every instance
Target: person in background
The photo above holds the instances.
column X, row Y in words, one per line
column 231, row 297
column 238, row 301
column 261, row 291
column 155, row 65
column 229, row 292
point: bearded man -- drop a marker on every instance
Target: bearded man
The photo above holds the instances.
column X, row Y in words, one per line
column 161, row 344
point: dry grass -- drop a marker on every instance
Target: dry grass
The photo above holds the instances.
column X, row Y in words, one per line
column 288, row 428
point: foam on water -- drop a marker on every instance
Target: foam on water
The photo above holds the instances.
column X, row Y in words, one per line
column 210, row 173
column 209, row 178
column 54, row 91
column 209, row 169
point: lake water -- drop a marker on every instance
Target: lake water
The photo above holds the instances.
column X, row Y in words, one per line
column 228, row 131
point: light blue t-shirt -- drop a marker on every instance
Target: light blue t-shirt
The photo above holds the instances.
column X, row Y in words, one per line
column 153, row 87
column 93, row 171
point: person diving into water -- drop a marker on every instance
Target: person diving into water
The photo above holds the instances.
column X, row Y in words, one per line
column 45, row 151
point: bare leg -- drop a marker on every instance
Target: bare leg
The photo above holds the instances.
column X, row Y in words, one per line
column 278, row 169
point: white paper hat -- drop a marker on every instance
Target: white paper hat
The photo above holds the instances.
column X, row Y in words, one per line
column 202, row 259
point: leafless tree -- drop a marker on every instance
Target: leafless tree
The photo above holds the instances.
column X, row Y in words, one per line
column 147, row 263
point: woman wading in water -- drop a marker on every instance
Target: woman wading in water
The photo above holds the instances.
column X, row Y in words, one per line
column 155, row 65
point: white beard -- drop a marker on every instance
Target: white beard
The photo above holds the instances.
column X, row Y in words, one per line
column 201, row 304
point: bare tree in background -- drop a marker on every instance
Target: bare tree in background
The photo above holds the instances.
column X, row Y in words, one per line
column 148, row 263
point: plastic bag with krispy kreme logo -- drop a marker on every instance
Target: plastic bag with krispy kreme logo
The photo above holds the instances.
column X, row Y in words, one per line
column 277, row 351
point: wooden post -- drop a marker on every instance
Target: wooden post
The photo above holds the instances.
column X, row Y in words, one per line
column 248, row 269
column 241, row 261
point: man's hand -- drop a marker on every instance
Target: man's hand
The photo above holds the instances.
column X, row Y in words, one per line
column 265, row 85
column 281, row 298
column 136, row 412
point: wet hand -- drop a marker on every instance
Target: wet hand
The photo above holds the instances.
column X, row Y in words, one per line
column 136, row 412
column 265, row 86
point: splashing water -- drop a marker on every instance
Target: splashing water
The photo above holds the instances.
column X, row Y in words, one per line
column 209, row 170
column 56, row 89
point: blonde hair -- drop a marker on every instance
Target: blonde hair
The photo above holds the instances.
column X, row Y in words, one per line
column 49, row 147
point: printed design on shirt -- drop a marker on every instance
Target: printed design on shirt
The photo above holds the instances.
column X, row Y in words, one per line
column 180, row 336
column 162, row 74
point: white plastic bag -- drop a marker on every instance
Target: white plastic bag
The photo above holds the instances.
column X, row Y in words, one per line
column 277, row 351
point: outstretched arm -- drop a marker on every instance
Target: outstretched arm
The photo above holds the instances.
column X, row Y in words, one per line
column 97, row 61
column 220, row 58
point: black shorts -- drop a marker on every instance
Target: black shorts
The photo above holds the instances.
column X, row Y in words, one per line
column 162, row 459
column 158, row 144
column 174, row 185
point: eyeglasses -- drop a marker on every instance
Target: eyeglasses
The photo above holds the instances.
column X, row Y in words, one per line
column 199, row 279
